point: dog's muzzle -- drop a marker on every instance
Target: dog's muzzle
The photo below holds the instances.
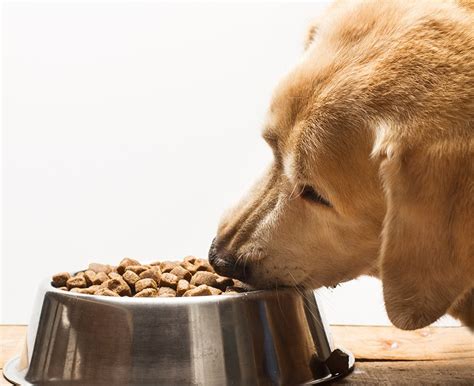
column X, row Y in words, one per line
column 226, row 264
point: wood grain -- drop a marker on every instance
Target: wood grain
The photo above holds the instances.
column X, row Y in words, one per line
column 390, row 343
column 11, row 343
column 385, row 355
column 442, row 372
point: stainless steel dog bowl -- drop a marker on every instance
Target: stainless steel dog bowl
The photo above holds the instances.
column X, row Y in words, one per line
column 255, row 338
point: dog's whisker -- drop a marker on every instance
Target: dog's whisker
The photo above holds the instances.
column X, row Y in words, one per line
column 327, row 301
column 302, row 293
column 305, row 305
column 279, row 303
column 295, row 186
column 291, row 197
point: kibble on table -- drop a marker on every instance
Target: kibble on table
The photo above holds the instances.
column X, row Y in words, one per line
column 189, row 277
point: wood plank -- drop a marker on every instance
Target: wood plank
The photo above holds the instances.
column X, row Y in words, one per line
column 3, row 381
column 449, row 372
column 365, row 342
column 11, row 342
column 390, row 343
column 435, row 356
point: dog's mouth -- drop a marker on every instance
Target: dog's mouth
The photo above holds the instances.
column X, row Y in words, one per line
column 230, row 267
column 251, row 273
column 227, row 267
column 226, row 264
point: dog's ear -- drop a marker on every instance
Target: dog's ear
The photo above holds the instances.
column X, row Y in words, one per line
column 427, row 240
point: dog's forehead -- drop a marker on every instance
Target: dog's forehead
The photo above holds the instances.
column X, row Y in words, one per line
column 290, row 106
column 305, row 149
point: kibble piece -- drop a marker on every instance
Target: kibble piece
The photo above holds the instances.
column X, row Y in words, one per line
column 147, row 293
column 76, row 282
column 99, row 278
column 115, row 275
column 223, row 282
column 138, row 269
column 60, row 279
column 118, row 286
column 182, row 287
column 230, row 292
column 190, row 259
column 93, row 288
column 239, row 284
column 234, row 289
column 166, row 292
column 130, row 277
column 167, row 266
column 105, row 292
column 188, row 266
column 169, row 280
column 89, row 275
column 125, row 263
column 181, row 273
column 152, row 273
column 215, row 291
column 106, row 283
column 203, row 265
column 145, row 283
column 202, row 290
column 204, row 277
column 79, row 274
column 96, row 267
column 89, row 290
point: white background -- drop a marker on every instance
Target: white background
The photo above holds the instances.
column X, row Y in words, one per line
column 129, row 127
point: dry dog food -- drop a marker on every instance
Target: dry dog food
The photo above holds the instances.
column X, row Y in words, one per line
column 190, row 277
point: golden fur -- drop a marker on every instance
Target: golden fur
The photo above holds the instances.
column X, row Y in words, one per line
column 378, row 117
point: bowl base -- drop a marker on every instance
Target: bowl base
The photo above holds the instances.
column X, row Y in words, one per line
column 16, row 377
column 12, row 374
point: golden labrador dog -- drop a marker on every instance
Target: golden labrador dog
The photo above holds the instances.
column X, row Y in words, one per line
column 372, row 136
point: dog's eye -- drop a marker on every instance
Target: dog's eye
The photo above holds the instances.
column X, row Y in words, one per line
column 308, row 193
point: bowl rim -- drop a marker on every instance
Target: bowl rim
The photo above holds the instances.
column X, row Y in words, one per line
column 178, row 299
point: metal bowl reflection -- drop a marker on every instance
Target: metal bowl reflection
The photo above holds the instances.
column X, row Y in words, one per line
column 254, row 338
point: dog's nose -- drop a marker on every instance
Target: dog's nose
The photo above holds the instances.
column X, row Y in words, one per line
column 226, row 264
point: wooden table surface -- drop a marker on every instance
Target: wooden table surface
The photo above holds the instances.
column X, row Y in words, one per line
column 385, row 355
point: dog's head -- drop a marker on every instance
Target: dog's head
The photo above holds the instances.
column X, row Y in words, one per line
column 347, row 193
column 315, row 216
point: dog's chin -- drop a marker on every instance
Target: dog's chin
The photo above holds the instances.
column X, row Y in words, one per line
column 272, row 284
column 262, row 276
column 275, row 285
column 267, row 281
